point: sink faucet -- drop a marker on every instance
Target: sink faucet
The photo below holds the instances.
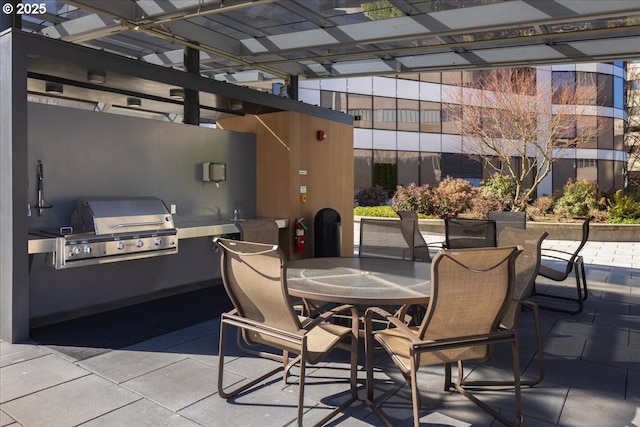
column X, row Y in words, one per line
column 236, row 213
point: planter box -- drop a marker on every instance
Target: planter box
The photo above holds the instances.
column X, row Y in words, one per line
column 557, row 230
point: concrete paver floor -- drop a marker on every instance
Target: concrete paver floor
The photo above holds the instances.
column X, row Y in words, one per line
column 592, row 373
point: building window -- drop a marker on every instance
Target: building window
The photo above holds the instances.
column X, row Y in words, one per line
column 433, row 77
column 363, row 168
column 451, row 119
column 385, row 169
column 384, row 113
column 605, row 133
column 408, row 115
column 333, row 100
column 587, row 126
column 361, row 106
column 430, row 169
column 587, row 169
column 605, row 90
column 586, row 88
column 408, row 168
column 563, row 84
column 462, row 166
column 430, row 117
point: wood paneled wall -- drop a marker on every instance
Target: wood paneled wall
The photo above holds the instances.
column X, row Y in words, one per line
column 287, row 147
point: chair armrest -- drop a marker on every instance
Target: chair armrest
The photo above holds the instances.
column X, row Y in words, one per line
column 392, row 319
column 325, row 315
column 443, row 344
column 544, row 253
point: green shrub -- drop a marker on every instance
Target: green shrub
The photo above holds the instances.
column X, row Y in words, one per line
column 454, row 196
column 376, row 211
column 413, row 198
column 623, row 209
column 501, row 187
column 577, row 199
column 372, row 196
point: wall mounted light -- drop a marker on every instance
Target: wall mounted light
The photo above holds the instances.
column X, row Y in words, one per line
column 54, row 88
column 97, row 76
column 176, row 93
column 134, row 102
column 321, row 135
column 235, row 105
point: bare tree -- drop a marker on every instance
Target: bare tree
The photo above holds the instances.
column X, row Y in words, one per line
column 632, row 128
column 519, row 122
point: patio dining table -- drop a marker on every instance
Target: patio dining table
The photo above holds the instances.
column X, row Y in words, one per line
column 360, row 281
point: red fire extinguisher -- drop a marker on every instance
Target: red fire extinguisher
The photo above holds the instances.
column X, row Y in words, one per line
column 299, row 229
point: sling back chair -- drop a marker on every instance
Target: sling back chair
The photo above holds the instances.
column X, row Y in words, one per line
column 420, row 246
column 508, row 219
column 527, row 267
column 572, row 262
column 463, row 233
column 386, row 238
column 259, row 231
column 254, row 276
column 470, row 292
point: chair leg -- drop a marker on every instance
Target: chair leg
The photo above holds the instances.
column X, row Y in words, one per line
column 539, row 355
column 459, row 387
column 581, row 287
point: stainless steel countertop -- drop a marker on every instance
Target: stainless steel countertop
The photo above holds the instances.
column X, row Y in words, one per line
column 189, row 227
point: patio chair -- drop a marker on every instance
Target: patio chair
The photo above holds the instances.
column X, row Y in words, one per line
column 508, row 219
column 462, row 233
column 572, row 261
column 527, row 267
column 470, row 292
column 387, row 238
column 259, row 231
column 254, row 277
column 420, row 246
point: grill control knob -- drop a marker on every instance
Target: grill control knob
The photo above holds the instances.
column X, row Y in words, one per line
column 74, row 251
column 140, row 243
column 87, row 249
column 120, row 245
column 157, row 241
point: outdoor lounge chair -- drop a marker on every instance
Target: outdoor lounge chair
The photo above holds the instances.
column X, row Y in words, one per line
column 462, row 233
column 420, row 246
column 254, row 277
column 386, row 238
column 470, row 292
column 259, row 231
column 508, row 219
column 527, row 267
column 572, row 262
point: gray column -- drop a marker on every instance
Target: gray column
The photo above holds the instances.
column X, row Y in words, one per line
column 14, row 252
column 11, row 20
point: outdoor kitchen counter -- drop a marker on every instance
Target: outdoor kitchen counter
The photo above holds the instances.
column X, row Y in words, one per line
column 189, row 227
column 203, row 226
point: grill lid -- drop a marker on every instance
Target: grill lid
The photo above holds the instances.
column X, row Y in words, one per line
column 121, row 215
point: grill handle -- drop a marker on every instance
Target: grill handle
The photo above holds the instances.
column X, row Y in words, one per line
column 136, row 224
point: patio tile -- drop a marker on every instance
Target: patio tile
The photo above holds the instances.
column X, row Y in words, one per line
column 70, row 403
column 22, row 379
column 178, row 385
column 590, row 408
column 141, row 413
column 16, row 353
column 123, row 365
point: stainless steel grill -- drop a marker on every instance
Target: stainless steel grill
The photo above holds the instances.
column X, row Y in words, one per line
column 116, row 229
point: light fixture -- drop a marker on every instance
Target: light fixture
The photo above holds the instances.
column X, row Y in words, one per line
column 97, row 76
column 177, row 93
column 134, row 102
column 53, row 88
column 235, row 105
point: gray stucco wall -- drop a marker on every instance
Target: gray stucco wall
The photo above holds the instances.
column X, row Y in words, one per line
column 87, row 153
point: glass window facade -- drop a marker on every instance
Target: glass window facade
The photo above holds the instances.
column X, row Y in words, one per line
column 426, row 115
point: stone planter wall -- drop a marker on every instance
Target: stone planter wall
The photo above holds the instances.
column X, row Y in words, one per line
column 558, row 230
